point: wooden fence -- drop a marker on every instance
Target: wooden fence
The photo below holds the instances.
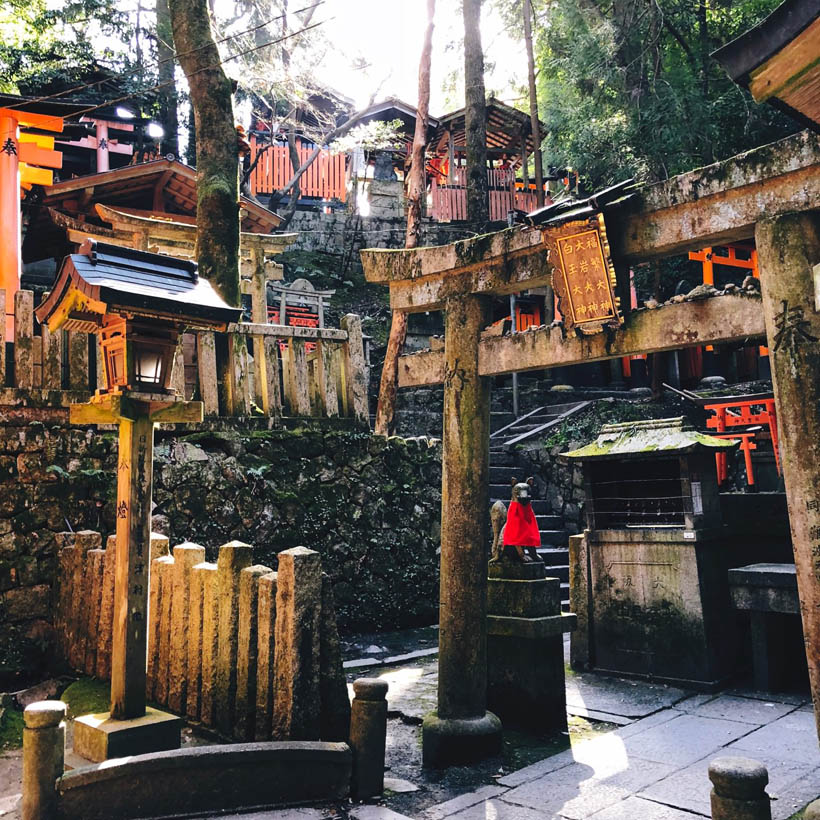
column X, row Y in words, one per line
column 324, row 179
column 449, row 200
column 243, row 372
column 234, row 646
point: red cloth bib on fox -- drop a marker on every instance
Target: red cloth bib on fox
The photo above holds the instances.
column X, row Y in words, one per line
column 521, row 529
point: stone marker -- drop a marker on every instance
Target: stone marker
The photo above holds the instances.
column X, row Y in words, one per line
column 186, row 556
column 297, row 700
column 266, row 627
column 165, row 570
column 43, row 757
column 525, row 646
column 106, row 611
column 739, row 789
column 368, row 736
column 335, row 715
column 246, row 662
column 812, row 811
column 233, row 558
column 206, row 575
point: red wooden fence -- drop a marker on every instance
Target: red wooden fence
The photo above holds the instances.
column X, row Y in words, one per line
column 449, row 201
column 324, row 179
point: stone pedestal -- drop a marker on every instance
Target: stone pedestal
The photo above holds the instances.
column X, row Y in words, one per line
column 525, row 652
column 98, row 737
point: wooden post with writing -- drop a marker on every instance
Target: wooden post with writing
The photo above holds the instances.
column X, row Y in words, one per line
column 134, row 479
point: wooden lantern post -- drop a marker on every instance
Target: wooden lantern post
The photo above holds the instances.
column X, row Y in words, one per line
column 115, row 292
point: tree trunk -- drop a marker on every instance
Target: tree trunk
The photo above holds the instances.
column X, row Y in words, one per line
column 475, row 117
column 294, row 194
column 217, row 159
column 386, row 409
column 168, row 113
column 534, row 123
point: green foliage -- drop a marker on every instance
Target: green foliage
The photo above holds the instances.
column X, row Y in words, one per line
column 87, row 696
column 47, row 47
column 11, row 729
column 370, row 136
column 629, row 89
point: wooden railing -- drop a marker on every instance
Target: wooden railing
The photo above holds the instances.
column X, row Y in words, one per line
column 324, row 178
column 253, row 369
column 449, row 199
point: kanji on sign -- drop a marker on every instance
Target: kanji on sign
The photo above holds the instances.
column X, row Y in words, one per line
column 792, row 328
column 9, row 147
column 583, row 277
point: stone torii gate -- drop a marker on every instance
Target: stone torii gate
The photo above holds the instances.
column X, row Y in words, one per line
column 768, row 193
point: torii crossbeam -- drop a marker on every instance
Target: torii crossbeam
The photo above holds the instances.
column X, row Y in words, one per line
column 751, row 195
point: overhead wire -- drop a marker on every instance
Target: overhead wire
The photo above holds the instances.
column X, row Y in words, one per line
column 198, row 71
column 173, row 57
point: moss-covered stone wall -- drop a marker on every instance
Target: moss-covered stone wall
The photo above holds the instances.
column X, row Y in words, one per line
column 370, row 506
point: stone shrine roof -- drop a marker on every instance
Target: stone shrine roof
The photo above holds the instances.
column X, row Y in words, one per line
column 639, row 439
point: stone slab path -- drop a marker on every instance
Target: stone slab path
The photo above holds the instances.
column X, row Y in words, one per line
column 655, row 768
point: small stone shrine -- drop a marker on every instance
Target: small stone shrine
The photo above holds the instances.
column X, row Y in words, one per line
column 649, row 576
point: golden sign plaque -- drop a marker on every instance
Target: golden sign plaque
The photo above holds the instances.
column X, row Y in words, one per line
column 584, row 278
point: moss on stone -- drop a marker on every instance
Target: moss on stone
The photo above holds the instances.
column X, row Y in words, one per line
column 87, row 696
column 11, row 729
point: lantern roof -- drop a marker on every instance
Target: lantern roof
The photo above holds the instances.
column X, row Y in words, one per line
column 103, row 279
column 653, row 437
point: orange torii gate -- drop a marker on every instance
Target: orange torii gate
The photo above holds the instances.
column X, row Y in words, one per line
column 20, row 153
column 753, row 194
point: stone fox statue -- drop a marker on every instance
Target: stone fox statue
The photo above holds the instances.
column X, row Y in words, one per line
column 519, row 536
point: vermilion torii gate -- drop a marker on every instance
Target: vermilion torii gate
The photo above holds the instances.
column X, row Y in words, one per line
column 771, row 194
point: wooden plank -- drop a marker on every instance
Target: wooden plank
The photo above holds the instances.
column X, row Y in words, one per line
column 37, row 358
column 309, row 334
column 721, row 319
column 101, row 383
column 326, row 379
column 273, row 392
column 23, row 336
column 298, row 394
column 355, row 369
column 178, row 371
column 206, row 359
column 238, row 384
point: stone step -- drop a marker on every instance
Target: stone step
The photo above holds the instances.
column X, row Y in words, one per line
column 554, row 537
column 559, row 571
column 554, row 555
column 500, row 458
column 501, row 491
column 549, row 522
column 502, row 474
column 540, row 507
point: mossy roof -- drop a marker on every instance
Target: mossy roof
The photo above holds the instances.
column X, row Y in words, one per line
column 633, row 439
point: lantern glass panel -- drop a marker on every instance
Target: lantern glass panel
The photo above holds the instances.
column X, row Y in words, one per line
column 149, row 366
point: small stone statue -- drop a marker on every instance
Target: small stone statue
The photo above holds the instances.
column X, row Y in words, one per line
column 518, row 538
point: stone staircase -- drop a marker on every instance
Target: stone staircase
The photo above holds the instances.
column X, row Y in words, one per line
column 504, row 466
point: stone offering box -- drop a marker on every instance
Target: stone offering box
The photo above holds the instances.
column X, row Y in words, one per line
column 654, row 564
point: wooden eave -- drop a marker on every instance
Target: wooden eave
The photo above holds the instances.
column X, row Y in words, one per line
column 778, row 60
column 505, row 128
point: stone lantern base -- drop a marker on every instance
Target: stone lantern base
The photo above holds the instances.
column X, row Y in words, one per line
column 98, row 737
column 456, row 741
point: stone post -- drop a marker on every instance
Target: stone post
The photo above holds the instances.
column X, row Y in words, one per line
column 368, row 737
column 812, row 811
column 43, row 757
column 789, row 251
column 461, row 730
column 739, row 789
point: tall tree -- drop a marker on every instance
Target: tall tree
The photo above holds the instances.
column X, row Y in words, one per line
column 535, row 125
column 167, row 91
column 217, row 161
column 475, row 116
column 386, row 409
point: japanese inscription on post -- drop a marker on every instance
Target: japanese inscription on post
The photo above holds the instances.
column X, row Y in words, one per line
column 584, row 276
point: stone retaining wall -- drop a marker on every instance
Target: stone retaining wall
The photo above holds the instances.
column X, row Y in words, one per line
column 370, row 506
